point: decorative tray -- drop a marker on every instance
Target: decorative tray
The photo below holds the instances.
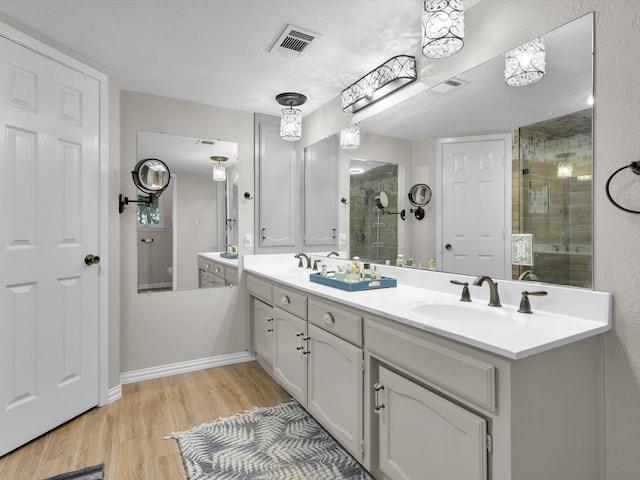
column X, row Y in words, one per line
column 383, row 282
column 230, row 256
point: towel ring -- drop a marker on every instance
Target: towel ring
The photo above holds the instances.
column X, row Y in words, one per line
column 635, row 168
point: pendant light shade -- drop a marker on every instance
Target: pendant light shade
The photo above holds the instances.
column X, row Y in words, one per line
column 442, row 28
column 525, row 64
column 219, row 171
column 291, row 118
column 350, row 137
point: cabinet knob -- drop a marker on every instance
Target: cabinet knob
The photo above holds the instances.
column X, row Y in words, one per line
column 328, row 320
column 286, row 300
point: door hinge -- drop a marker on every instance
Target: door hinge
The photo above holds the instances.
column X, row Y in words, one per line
column 362, row 449
column 362, row 361
column 489, row 443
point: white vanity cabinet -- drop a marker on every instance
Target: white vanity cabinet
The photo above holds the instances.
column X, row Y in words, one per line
column 263, row 334
column 290, row 357
column 335, row 373
column 213, row 274
column 420, row 434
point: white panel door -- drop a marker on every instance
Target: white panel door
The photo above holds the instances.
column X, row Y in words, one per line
column 422, row 435
column 49, row 179
column 473, row 205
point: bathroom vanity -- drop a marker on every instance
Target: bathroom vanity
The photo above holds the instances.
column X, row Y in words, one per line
column 415, row 384
column 216, row 271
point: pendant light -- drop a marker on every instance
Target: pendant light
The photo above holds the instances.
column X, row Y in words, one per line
column 350, row 137
column 291, row 119
column 219, row 171
column 442, row 28
column 525, row 64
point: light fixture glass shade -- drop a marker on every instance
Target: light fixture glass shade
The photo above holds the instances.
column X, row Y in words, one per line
column 395, row 73
column 565, row 169
column 219, row 172
column 525, row 64
column 442, row 28
column 291, row 124
column 350, row 137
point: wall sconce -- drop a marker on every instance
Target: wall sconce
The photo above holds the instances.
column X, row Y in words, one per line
column 442, row 28
column 219, row 171
column 291, row 119
column 525, row 64
column 151, row 176
column 392, row 75
column 350, row 137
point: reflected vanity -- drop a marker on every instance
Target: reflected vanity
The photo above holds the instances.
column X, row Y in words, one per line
column 195, row 216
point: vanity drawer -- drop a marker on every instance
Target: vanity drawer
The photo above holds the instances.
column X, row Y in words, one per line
column 336, row 320
column 259, row 288
column 290, row 301
column 468, row 377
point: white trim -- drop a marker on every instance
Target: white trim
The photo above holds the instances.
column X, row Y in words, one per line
column 507, row 138
column 151, row 286
column 54, row 54
column 115, row 393
column 185, row 367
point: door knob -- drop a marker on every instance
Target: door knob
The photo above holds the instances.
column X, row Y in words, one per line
column 447, row 246
column 92, row 259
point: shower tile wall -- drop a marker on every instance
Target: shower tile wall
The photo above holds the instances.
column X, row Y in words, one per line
column 557, row 210
column 374, row 236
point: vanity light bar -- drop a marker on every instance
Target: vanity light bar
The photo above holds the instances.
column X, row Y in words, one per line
column 392, row 75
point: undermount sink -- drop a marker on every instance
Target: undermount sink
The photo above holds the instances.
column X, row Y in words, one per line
column 467, row 314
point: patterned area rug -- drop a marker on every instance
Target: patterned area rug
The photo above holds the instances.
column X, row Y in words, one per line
column 90, row 473
column 275, row 443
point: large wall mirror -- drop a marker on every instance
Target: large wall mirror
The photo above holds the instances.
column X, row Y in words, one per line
column 544, row 131
column 196, row 214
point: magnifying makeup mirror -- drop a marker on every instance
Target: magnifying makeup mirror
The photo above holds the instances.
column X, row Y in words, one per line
column 151, row 176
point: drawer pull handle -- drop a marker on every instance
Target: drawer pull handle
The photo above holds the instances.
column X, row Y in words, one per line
column 269, row 319
column 377, row 407
column 286, row 300
column 328, row 319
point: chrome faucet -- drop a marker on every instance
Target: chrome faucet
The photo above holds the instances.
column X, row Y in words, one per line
column 333, row 253
column 299, row 256
column 528, row 275
column 494, row 298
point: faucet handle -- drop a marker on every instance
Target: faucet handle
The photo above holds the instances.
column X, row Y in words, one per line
column 315, row 264
column 525, row 304
column 466, row 296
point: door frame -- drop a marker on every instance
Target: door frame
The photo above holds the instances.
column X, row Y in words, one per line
column 507, row 138
column 30, row 42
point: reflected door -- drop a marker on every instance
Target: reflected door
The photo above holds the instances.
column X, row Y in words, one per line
column 473, row 205
column 49, row 298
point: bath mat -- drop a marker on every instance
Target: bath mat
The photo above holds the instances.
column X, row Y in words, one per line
column 90, row 473
column 273, row 443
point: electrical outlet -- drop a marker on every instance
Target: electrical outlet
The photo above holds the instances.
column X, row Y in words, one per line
column 248, row 240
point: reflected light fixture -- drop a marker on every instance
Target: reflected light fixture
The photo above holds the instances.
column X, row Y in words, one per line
column 291, row 119
column 392, row 75
column 219, row 171
column 565, row 168
column 350, row 137
column 442, row 28
column 525, row 64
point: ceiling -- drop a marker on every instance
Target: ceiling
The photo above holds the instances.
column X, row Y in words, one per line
column 216, row 52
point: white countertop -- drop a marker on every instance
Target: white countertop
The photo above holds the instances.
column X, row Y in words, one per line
column 564, row 316
column 215, row 256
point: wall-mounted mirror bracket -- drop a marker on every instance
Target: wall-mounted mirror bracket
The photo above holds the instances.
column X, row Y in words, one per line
column 402, row 213
column 418, row 212
column 151, row 176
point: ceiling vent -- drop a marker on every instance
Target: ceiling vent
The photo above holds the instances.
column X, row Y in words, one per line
column 446, row 87
column 293, row 42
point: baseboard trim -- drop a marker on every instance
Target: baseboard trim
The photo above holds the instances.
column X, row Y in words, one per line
column 184, row 367
column 115, row 393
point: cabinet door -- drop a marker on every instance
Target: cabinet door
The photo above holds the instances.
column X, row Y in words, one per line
column 263, row 333
column 278, row 184
column 321, row 193
column 335, row 387
column 422, row 435
column 290, row 358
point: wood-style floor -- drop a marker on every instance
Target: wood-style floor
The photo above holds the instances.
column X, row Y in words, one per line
column 127, row 435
